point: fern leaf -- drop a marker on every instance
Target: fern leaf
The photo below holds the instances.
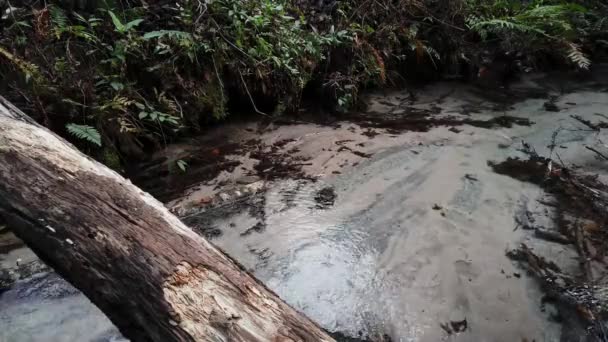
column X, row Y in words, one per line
column 132, row 24
column 167, row 33
column 492, row 24
column 578, row 57
column 59, row 20
column 504, row 24
column 58, row 17
column 85, row 132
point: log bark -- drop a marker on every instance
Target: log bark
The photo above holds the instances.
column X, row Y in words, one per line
column 151, row 275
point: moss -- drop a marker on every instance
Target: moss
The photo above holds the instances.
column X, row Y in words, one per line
column 214, row 100
column 111, row 159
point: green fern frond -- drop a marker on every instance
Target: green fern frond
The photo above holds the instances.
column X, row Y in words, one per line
column 59, row 20
column 504, row 24
column 29, row 70
column 547, row 11
column 492, row 23
column 577, row 57
column 167, row 33
column 85, row 132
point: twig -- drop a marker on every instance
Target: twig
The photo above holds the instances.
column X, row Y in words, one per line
column 219, row 79
column 219, row 31
column 602, row 115
column 181, row 110
column 357, row 10
column 22, row 94
column 595, row 127
column 603, row 156
column 250, row 97
column 202, row 12
column 548, row 235
column 554, row 140
column 579, row 237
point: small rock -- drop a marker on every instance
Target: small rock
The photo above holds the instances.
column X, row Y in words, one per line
column 454, row 327
column 437, row 207
column 325, row 197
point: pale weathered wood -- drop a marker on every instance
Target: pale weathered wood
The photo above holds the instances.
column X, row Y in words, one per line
column 150, row 274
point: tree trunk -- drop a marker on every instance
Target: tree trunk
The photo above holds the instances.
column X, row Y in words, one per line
column 151, row 275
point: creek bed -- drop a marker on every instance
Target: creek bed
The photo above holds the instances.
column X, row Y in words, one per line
column 393, row 233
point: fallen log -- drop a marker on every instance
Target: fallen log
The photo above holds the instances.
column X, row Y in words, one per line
column 151, row 275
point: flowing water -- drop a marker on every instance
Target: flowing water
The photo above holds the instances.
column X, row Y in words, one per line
column 414, row 239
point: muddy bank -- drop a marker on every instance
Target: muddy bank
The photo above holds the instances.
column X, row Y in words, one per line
column 375, row 231
column 255, row 150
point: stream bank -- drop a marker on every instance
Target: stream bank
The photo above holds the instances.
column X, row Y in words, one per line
column 369, row 229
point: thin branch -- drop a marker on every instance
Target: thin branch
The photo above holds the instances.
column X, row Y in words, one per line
column 219, row 79
column 219, row 31
column 603, row 156
column 250, row 97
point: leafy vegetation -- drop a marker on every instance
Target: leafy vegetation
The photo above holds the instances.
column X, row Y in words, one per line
column 122, row 81
column 85, row 132
column 530, row 26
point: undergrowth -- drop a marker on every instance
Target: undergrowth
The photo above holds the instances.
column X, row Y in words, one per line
column 124, row 80
column 532, row 26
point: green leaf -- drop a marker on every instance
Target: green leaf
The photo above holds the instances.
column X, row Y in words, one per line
column 167, row 33
column 132, row 24
column 118, row 25
column 182, row 165
column 143, row 115
column 85, row 132
column 80, row 18
column 22, row 23
column 172, row 120
column 117, row 85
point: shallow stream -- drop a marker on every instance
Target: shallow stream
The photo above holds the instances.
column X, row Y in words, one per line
column 414, row 239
